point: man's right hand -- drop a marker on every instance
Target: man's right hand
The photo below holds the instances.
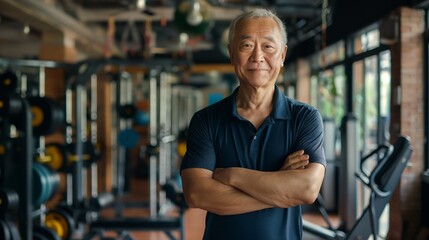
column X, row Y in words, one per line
column 296, row 160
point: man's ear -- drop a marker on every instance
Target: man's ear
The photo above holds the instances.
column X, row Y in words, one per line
column 284, row 53
column 231, row 55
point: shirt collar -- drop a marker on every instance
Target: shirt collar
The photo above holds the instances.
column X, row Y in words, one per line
column 281, row 110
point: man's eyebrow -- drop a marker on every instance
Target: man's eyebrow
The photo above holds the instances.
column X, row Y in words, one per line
column 270, row 38
column 246, row 36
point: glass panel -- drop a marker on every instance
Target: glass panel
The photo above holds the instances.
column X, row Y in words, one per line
column 385, row 83
column 358, row 97
column 385, row 95
column 333, row 54
column 370, row 122
column 331, row 97
column 340, row 98
column 313, row 90
column 366, row 41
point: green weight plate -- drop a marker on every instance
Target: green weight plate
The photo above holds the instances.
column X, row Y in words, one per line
column 41, row 186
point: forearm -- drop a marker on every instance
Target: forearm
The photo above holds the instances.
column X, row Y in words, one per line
column 217, row 197
column 281, row 188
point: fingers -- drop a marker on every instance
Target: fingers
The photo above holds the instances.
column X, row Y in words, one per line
column 297, row 165
column 296, row 160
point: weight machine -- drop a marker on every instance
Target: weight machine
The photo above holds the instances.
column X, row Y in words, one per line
column 159, row 137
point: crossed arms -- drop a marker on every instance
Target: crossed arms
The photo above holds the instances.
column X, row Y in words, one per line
column 230, row 191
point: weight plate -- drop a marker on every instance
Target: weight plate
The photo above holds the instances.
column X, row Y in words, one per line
column 38, row 116
column 8, row 81
column 142, row 118
column 4, row 230
column 47, row 115
column 54, row 181
column 61, row 222
column 9, row 201
column 13, row 229
column 45, row 183
column 128, row 138
column 57, row 154
column 44, row 233
column 40, row 185
column 127, row 111
column 10, row 104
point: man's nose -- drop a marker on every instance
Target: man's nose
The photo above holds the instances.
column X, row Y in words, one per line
column 257, row 55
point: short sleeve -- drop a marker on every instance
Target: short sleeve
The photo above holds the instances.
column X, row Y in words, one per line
column 200, row 152
column 310, row 134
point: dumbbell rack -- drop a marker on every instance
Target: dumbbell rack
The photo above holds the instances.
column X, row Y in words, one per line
column 23, row 172
column 23, row 160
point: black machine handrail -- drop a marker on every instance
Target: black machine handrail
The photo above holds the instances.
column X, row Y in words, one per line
column 382, row 181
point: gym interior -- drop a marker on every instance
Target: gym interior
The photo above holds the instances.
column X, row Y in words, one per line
column 96, row 97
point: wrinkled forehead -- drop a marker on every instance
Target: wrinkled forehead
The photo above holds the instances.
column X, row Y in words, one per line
column 263, row 26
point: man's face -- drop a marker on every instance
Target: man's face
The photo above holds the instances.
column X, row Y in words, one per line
column 257, row 52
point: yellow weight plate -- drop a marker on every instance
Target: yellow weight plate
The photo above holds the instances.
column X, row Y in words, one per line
column 181, row 149
column 37, row 116
column 59, row 222
column 56, row 155
column 56, row 226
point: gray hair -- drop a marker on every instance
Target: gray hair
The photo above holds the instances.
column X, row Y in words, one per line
column 257, row 13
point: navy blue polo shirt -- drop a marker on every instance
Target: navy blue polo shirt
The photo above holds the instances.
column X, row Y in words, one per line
column 220, row 138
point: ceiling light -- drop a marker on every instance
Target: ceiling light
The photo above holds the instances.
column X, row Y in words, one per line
column 26, row 29
column 141, row 4
column 194, row 17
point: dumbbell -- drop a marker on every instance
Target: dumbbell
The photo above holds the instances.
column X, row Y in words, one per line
column 9, row 201
column 8, row 230
column 61, row 157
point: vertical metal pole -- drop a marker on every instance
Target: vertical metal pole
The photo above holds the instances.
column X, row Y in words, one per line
column 115, row 147
column 69, row 140
column 168, row 126
column 93, row 133
column 26, row 165
column 82, row 140
column 349, row 164
column 328, row 190
column 163, row 131
column 77, row 167
column 153, row 140
column 120, row 164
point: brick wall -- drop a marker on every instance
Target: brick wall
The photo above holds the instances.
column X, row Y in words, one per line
column 408, row 119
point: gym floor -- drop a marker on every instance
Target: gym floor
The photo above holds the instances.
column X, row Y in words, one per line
column 194, row 218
